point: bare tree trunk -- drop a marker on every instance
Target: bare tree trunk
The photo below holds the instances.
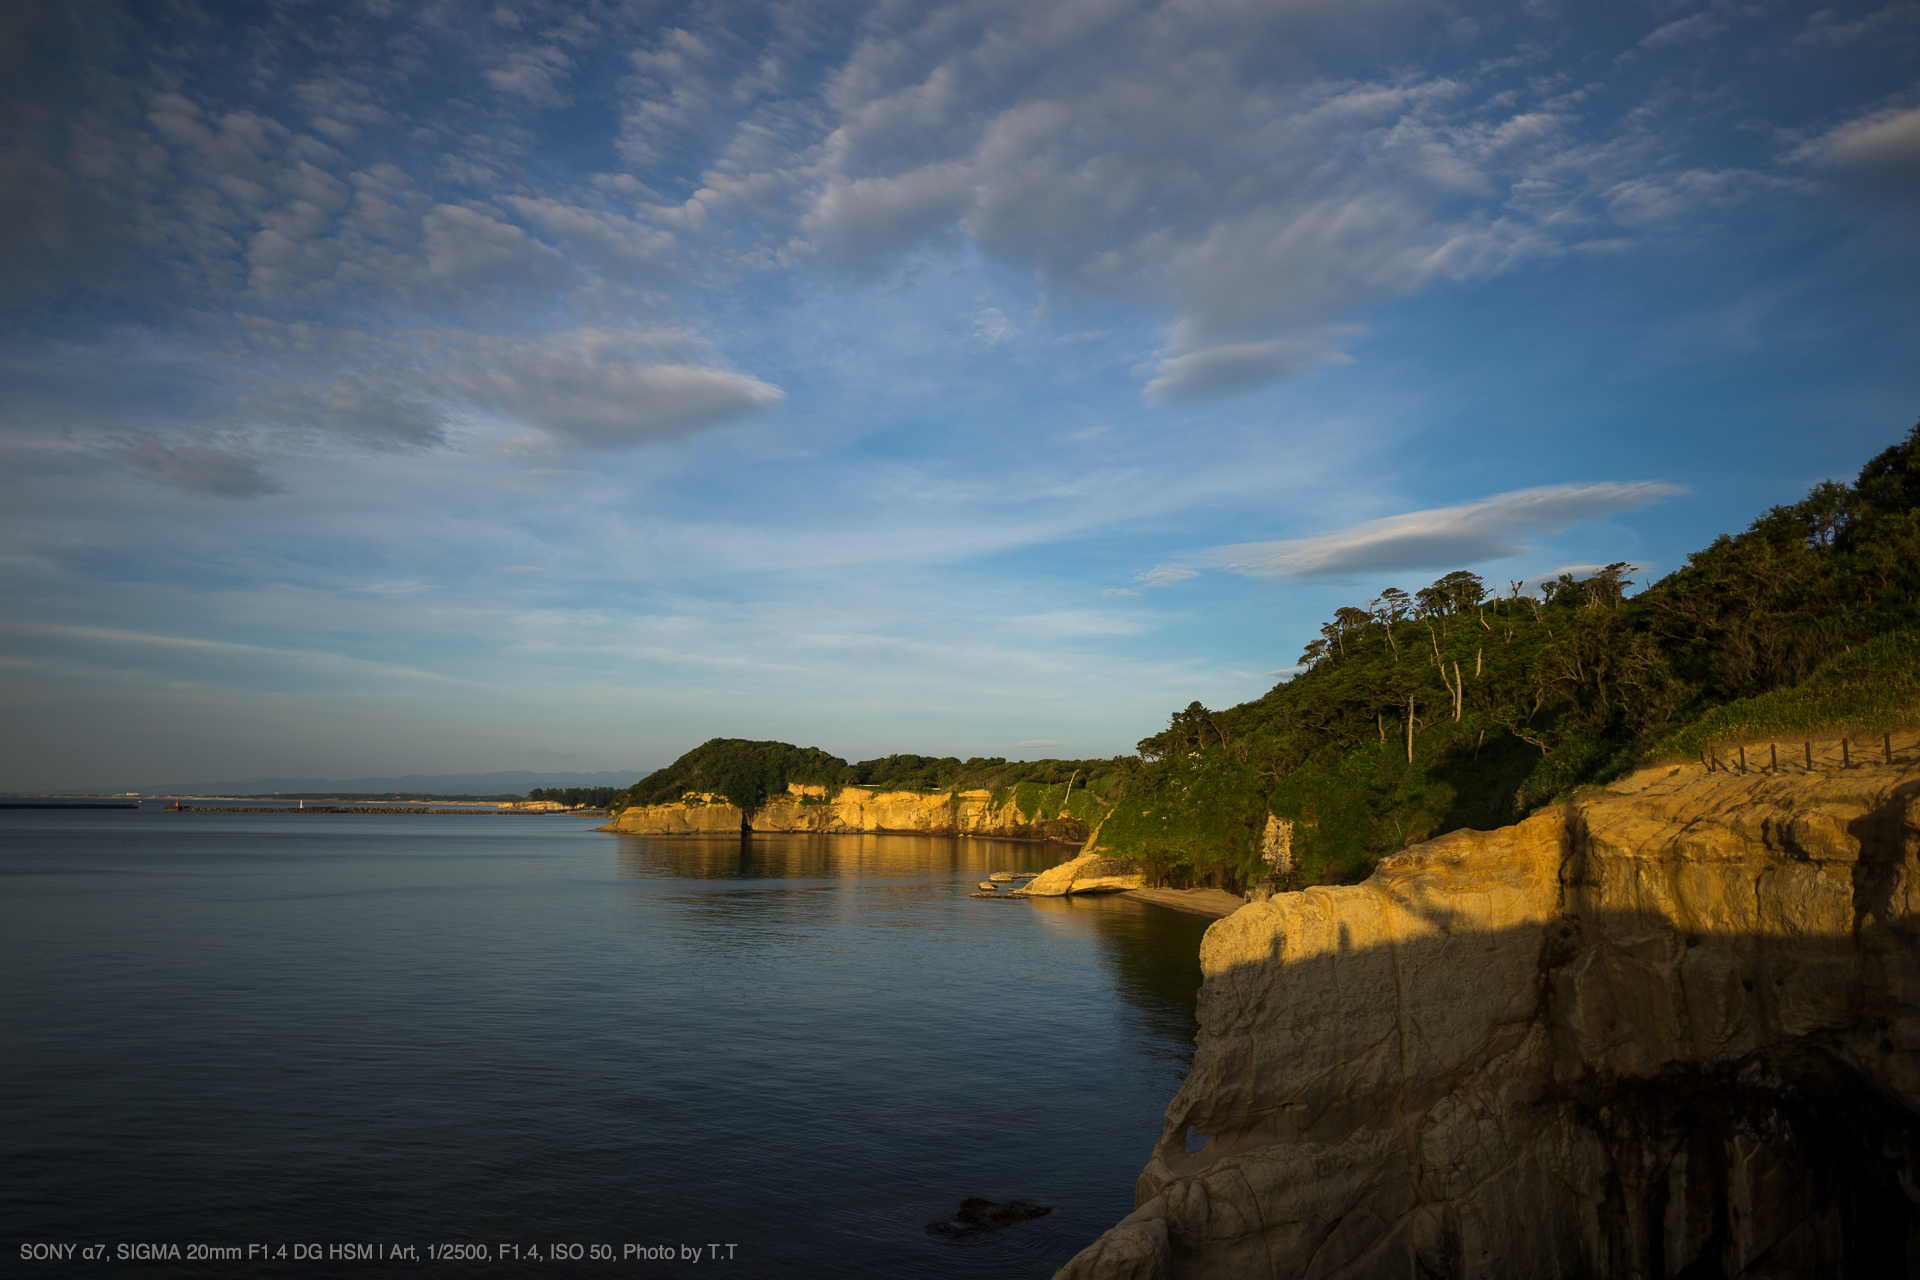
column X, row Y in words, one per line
column 1409, row 728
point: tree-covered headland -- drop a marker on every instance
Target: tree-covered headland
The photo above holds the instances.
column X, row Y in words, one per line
column 1469, row 704
column 746, row 772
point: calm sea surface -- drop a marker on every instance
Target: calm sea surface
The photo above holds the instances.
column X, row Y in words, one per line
column 225, row 1030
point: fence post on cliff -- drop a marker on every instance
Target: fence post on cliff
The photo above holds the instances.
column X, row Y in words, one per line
column 1743, row 758
column 1846, row 761
column 1886, row 744
column 1809, row 757
column 1773, row 757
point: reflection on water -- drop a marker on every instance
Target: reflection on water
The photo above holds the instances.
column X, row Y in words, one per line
column 899, row 882
column 1154, row 953
column 454, row 1028
column 805, row 856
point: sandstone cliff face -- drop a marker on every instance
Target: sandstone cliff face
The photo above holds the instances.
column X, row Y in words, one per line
column 851, row 810
column 1666, row 1030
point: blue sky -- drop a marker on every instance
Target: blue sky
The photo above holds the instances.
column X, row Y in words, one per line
column 439, row 387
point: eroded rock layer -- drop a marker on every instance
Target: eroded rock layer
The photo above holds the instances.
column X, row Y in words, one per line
column 1667, row 1030
column 851, row 810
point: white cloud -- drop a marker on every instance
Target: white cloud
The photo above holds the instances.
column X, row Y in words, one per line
column 1165, row 575
column 467, row 248
column 1825, row 27
column 1882, row 146
column 311, row 382
column 339, row 107
column 220, row 650
column 1186, row 156
column 1666, row 197
column 1579, row 573
column 992, row 327
column 607, row 238
column 607, row 389
column 1441, row 538
column 1231, row 367
column 535, row 73
column 1115, row 593
column 1699, row 26
column 302, row 386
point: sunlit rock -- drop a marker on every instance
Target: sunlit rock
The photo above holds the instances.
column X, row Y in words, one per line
column 1665, row 1029
column 1088, row 873
column 852, row 810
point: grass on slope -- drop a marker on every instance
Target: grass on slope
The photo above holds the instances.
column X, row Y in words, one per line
column 1874, row 686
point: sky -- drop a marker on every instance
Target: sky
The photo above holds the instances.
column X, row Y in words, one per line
column 417, row 388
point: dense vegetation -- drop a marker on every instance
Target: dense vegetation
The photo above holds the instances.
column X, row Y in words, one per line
column 744, row 771
column 597, row 797
column 1457, row 706
column 747, row 772
column 1415, row 715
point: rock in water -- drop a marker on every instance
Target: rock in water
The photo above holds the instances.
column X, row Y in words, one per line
column 1666, row 1029
column 985, row 1213
column 977, row 1215
column 1088, row 873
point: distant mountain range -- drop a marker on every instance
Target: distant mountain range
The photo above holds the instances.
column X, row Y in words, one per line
column 510, row 782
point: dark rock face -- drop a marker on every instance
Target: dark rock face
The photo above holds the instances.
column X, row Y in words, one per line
column 1785, row 1164
column 977, row 1215
column 986, row 1213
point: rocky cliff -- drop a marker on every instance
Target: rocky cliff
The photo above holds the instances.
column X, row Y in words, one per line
column 1665, row 1030
column 851, row 810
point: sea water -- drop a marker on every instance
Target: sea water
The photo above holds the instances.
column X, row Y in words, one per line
column 306, row 1044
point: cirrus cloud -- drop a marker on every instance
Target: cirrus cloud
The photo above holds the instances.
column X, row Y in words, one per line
column 1439, row 538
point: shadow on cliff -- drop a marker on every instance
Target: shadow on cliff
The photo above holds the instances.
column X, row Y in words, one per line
column 1593, row 1096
